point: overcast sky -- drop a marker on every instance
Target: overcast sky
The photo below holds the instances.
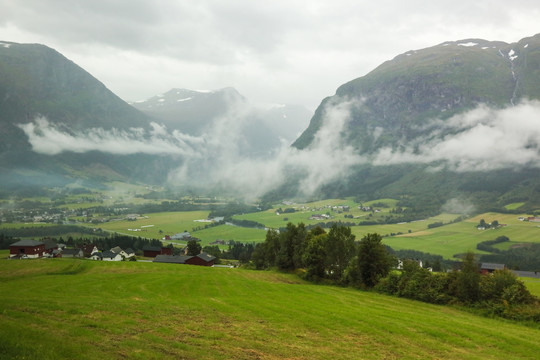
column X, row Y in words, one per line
column 278, row 51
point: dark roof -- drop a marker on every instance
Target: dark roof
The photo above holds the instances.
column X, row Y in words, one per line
column 206, row 257
column 181, row 235
column 87, row 247
column 491, row 266
column 173, row 259
column 71, row 251
column 27, row 243
column 130, row 251
column 50, row 244
column 152, row 248
column 108, row 254
column 117, row 250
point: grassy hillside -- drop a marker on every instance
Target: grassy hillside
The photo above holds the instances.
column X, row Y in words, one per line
column 61, row 309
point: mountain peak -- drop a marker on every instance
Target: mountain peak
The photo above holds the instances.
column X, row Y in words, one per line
column 435, row 82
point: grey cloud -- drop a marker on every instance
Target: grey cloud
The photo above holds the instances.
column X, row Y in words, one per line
column 223, row 165
column 49, row 139
column 279, row 51
column 481, row 139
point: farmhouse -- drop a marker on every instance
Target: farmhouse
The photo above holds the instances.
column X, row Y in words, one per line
column 74, row 253
column 181, row 236
column 26, row 249
column 50, row 246
column 202, row 259
column 111, row 256
column 488, row 268
column 153, row 251
column 88, row 249
column 129, row 253
column 171, row 259
column 96, row 256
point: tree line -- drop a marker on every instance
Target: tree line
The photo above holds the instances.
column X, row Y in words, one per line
column 332, row 256
column 102, row 243
column 335, row 257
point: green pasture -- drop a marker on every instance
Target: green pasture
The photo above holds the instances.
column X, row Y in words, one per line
column 66, row 308
column 460, row 237
column 157, row 225
column 22, row 225
column 415, row 227
column 229, row 232
column 514, row 206
column 533, row 285
column 305, row 210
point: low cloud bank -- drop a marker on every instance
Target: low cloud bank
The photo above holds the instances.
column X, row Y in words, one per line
column 222, row 164
column 478, row 140
column 49, row 139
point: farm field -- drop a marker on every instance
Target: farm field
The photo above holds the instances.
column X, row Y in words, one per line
column 460, row 237
column 155, row 311
column 157, row 225
column 305, row 210
column 447, row 240
column 533, row 285
column 229, row 232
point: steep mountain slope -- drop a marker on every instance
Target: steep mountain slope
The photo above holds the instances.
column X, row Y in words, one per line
column 409, row 118
column 436, row 82
column 38, row 82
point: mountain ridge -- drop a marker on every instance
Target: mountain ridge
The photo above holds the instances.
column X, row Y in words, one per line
column 438, row 81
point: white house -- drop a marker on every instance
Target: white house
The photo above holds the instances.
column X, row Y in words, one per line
column 111, row 256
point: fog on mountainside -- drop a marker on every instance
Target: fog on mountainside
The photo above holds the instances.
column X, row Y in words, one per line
column 458, row 119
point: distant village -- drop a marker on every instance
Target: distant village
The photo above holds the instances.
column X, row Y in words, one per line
column 32, row 249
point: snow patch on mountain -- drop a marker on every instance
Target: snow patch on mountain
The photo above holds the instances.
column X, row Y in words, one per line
column 468, row 44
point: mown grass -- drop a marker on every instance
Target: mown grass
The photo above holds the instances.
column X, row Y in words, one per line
column 533, row 285
column 65, row 309
column 229, row 232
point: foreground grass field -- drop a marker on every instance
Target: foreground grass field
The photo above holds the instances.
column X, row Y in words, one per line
column 65, row 309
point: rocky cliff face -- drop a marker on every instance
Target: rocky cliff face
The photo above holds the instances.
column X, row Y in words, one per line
column 434, row 83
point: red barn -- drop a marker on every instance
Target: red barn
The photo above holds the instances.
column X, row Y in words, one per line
column 153, row 251
column 27, row 248
column 203, row 259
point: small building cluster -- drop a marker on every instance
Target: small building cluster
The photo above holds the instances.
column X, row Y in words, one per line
column 32, row 249
column 319, row 217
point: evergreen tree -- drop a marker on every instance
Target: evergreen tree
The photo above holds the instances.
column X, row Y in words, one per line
column 374, row 261
column 339, row 250
column 467, row 283
column 193, row 248
column 315, row 256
